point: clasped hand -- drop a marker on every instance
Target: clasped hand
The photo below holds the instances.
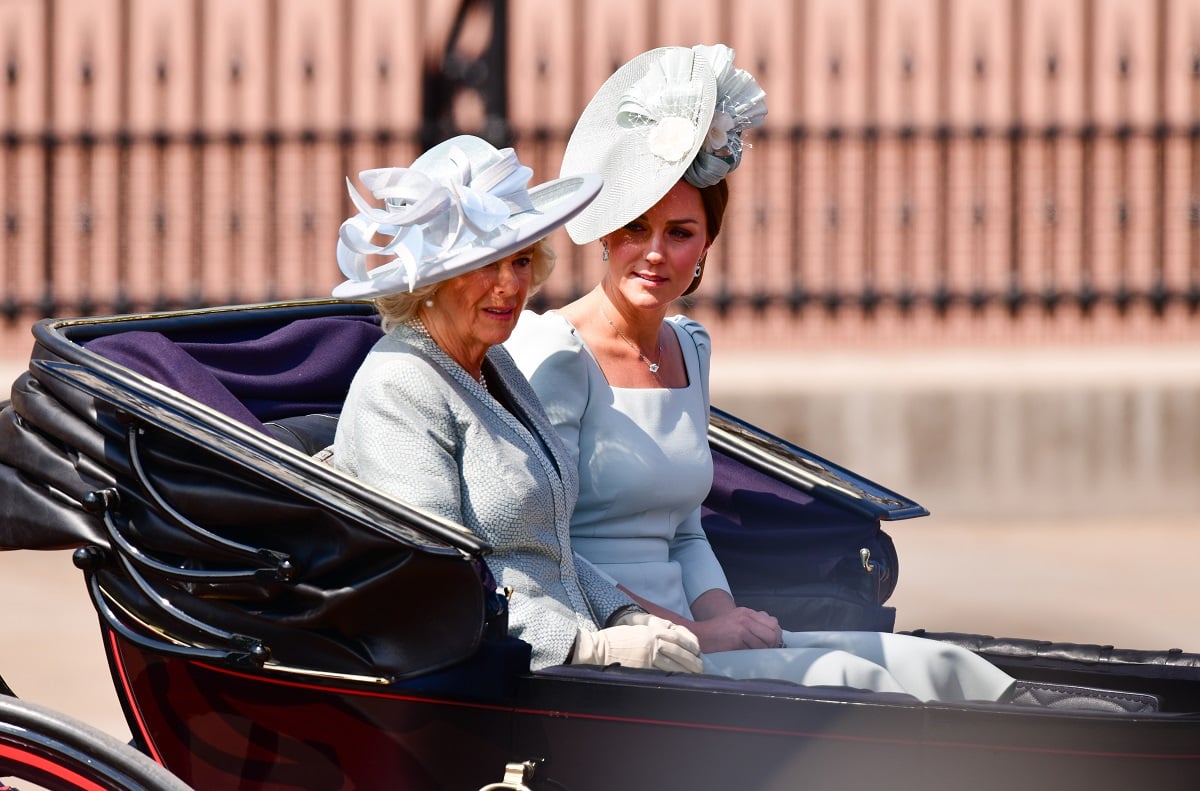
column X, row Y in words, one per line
column 640, row 640
column 735, row 629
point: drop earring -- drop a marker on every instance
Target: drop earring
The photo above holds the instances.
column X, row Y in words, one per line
column 604, row 251
column 699, row 267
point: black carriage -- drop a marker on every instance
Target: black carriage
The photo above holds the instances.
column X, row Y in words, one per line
column 271, row 623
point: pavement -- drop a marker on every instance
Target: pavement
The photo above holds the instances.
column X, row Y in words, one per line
column 1116, row 579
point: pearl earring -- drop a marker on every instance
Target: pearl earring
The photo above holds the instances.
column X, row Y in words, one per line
column 429, row 303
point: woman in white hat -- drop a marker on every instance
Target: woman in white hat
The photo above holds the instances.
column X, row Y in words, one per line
column 438, row 415
column 627, row 386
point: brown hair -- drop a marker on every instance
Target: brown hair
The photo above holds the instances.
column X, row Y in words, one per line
column 714, row 199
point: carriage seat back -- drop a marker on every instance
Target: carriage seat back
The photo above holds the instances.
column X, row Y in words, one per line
column 254, row 374
column 308, row 434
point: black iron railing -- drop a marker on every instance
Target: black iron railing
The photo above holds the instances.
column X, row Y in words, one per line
column 145, row 168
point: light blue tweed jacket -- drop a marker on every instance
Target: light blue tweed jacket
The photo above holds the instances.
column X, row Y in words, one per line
column 417, row 426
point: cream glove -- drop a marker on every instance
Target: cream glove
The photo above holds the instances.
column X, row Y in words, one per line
column 644, row 642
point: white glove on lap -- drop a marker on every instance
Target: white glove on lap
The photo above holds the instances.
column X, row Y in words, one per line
column 649, row 645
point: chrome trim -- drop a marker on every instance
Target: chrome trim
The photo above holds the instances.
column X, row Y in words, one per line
column 210, row 653
column 805, row 470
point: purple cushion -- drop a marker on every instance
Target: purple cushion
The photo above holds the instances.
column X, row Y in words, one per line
column 302, row 367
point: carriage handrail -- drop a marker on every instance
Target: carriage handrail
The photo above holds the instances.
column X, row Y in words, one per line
column 106, row 501
column 807, row 471
column 251, row 652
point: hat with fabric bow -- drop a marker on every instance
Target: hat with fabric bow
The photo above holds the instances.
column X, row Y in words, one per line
column 670, row 113
column 460, row 206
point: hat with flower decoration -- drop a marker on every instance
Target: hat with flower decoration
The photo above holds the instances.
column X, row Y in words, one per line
column 670, row 113
column 460, row 206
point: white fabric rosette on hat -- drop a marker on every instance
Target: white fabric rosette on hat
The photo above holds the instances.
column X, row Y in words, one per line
column 461, row 205
column 667, row 114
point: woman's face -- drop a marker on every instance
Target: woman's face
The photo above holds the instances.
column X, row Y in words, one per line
column 477, row 310
column 652, row 260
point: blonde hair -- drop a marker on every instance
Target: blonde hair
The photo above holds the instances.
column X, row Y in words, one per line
column 402, row 307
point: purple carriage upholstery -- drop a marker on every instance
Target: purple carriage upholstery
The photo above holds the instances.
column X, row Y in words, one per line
column 301, row 368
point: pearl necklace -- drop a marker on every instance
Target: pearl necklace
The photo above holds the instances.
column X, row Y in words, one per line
column 653, row 366
column 419, row 327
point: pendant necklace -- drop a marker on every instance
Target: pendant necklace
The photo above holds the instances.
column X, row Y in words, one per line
column 653, row 366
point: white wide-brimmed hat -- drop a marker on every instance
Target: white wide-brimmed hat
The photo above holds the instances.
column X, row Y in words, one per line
column 460, row 206
column 670, row 113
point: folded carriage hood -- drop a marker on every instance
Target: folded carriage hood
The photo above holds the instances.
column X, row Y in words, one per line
column 214, row 533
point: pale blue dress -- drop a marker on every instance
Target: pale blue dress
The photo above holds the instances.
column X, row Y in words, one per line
column 644, row 470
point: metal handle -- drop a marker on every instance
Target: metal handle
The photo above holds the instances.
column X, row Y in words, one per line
column 279, row 564
column 106, row 501
column 248, row 651
column 516, row 777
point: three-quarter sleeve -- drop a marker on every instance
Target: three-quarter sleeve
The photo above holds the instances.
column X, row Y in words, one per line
column 702, row 571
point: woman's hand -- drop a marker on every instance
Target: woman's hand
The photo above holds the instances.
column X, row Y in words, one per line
column 721, row 625
column 738, row 629
column 640, row 641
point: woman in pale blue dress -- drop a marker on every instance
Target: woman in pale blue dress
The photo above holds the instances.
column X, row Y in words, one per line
column 626, row 387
